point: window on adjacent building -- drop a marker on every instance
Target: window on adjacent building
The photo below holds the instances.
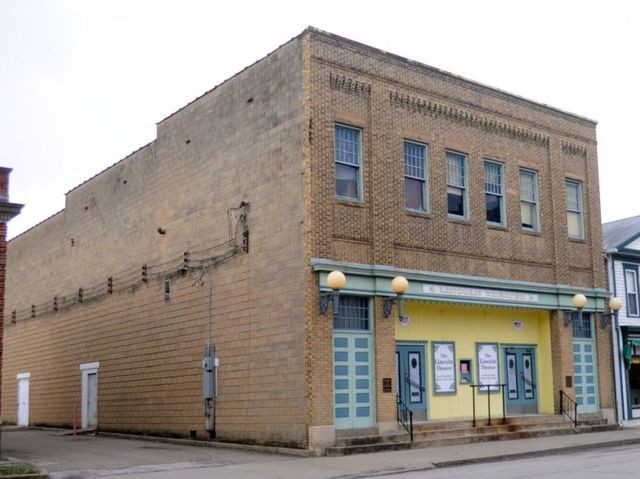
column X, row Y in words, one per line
column 631, row 286
column 529, row 199
column 575, row 226
column 494, row 192
column 457, row 184
column 353, row 313
column 415, row 175
column 348, row 161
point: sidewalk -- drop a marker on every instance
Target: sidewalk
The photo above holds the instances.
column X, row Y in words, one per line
column 376, row 464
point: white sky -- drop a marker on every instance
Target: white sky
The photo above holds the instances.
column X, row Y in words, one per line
column 83, row 83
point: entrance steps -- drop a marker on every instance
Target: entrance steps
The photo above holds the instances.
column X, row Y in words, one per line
column 444, row 433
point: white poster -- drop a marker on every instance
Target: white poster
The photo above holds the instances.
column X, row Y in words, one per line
column 415, row 375
column 444, row 368
column 488, row 373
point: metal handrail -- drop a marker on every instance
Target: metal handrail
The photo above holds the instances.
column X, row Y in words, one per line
column 404, row 416
column 488, row 386
column 567, row 409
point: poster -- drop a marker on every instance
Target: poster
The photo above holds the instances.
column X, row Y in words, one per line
column 488, row 373
column 444, row 368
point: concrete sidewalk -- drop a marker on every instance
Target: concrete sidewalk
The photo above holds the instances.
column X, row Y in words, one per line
column 382, row 463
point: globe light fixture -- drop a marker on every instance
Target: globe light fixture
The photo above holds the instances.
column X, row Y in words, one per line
column 336, row 281
column 399, row 285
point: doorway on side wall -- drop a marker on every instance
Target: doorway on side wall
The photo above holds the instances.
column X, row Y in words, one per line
column 23, row 398
column 89, row 395
column 411, row 377
column 521, row 393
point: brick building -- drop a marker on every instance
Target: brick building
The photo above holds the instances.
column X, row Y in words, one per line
column 8, row 211
column 325, row 155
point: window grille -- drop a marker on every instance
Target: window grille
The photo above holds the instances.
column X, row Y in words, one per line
column 582, row 327
column 353, row 313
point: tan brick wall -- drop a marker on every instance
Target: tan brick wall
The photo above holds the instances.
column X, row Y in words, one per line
column 241, row 141
column 605, row 366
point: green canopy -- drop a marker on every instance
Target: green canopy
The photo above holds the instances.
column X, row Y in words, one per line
column 628, row 350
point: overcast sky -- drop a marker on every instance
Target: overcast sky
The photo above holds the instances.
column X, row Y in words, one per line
column 83, row 83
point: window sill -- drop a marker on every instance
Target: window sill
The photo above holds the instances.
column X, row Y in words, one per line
column 578, row 240
column 497, row 227
column 418, row 214
column 460, row 221
column 532, row 232
column 348, row 202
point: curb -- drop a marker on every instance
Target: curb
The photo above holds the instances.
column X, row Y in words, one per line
column 285, row 451
column 538, row 453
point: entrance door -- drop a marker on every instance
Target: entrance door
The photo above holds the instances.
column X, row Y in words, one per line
column 521, row 392
column 23, row 401
column 585, row 376
column 353, row 381
column 410, row 364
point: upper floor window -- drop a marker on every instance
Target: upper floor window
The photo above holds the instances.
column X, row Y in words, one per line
column 575, row 226
column 415, row 176
column 456, row 184
column 494, row 192
column 529, row 200
column 631, row 287
column 348, row 159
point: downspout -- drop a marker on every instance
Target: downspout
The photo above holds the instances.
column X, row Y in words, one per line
column 616, row 349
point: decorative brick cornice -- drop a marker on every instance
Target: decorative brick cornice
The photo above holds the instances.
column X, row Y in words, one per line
column 474, row 120
column 573, row 149
column 349, row 85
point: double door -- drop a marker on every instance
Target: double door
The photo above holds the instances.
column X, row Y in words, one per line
column 521, row 394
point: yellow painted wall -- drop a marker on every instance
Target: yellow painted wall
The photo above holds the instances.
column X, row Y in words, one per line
column 466, row 326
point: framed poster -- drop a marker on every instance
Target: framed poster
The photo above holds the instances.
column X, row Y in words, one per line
column 488, row 368
column 444, row 367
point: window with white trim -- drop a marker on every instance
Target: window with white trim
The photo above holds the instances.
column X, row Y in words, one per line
column 415, row 176
column 631, row 287
column 494, row 192
column 575, row 225
column 348, row 162
column 529, row 200
column 456, row 184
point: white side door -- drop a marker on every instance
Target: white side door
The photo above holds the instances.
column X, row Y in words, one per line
column 23, row 399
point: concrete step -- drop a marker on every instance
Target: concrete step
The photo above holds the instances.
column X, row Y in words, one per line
column 461, row 432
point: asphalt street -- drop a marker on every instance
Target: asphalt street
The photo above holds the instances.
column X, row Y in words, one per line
column 608, row 463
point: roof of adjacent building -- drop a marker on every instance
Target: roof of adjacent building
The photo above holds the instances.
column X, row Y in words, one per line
column 617, row 233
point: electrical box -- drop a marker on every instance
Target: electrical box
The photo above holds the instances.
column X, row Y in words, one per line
column 209, row 364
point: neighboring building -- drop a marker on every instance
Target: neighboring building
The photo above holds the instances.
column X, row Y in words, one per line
column 622, row 249
column 341, row 157
column 7, row 212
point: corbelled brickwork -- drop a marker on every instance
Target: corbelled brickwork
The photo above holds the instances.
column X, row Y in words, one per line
column 392, row 99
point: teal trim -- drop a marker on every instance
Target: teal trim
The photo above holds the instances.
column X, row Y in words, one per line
column 375, row 280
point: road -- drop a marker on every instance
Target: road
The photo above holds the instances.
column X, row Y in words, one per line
column 83, row 457
column 609, row 463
